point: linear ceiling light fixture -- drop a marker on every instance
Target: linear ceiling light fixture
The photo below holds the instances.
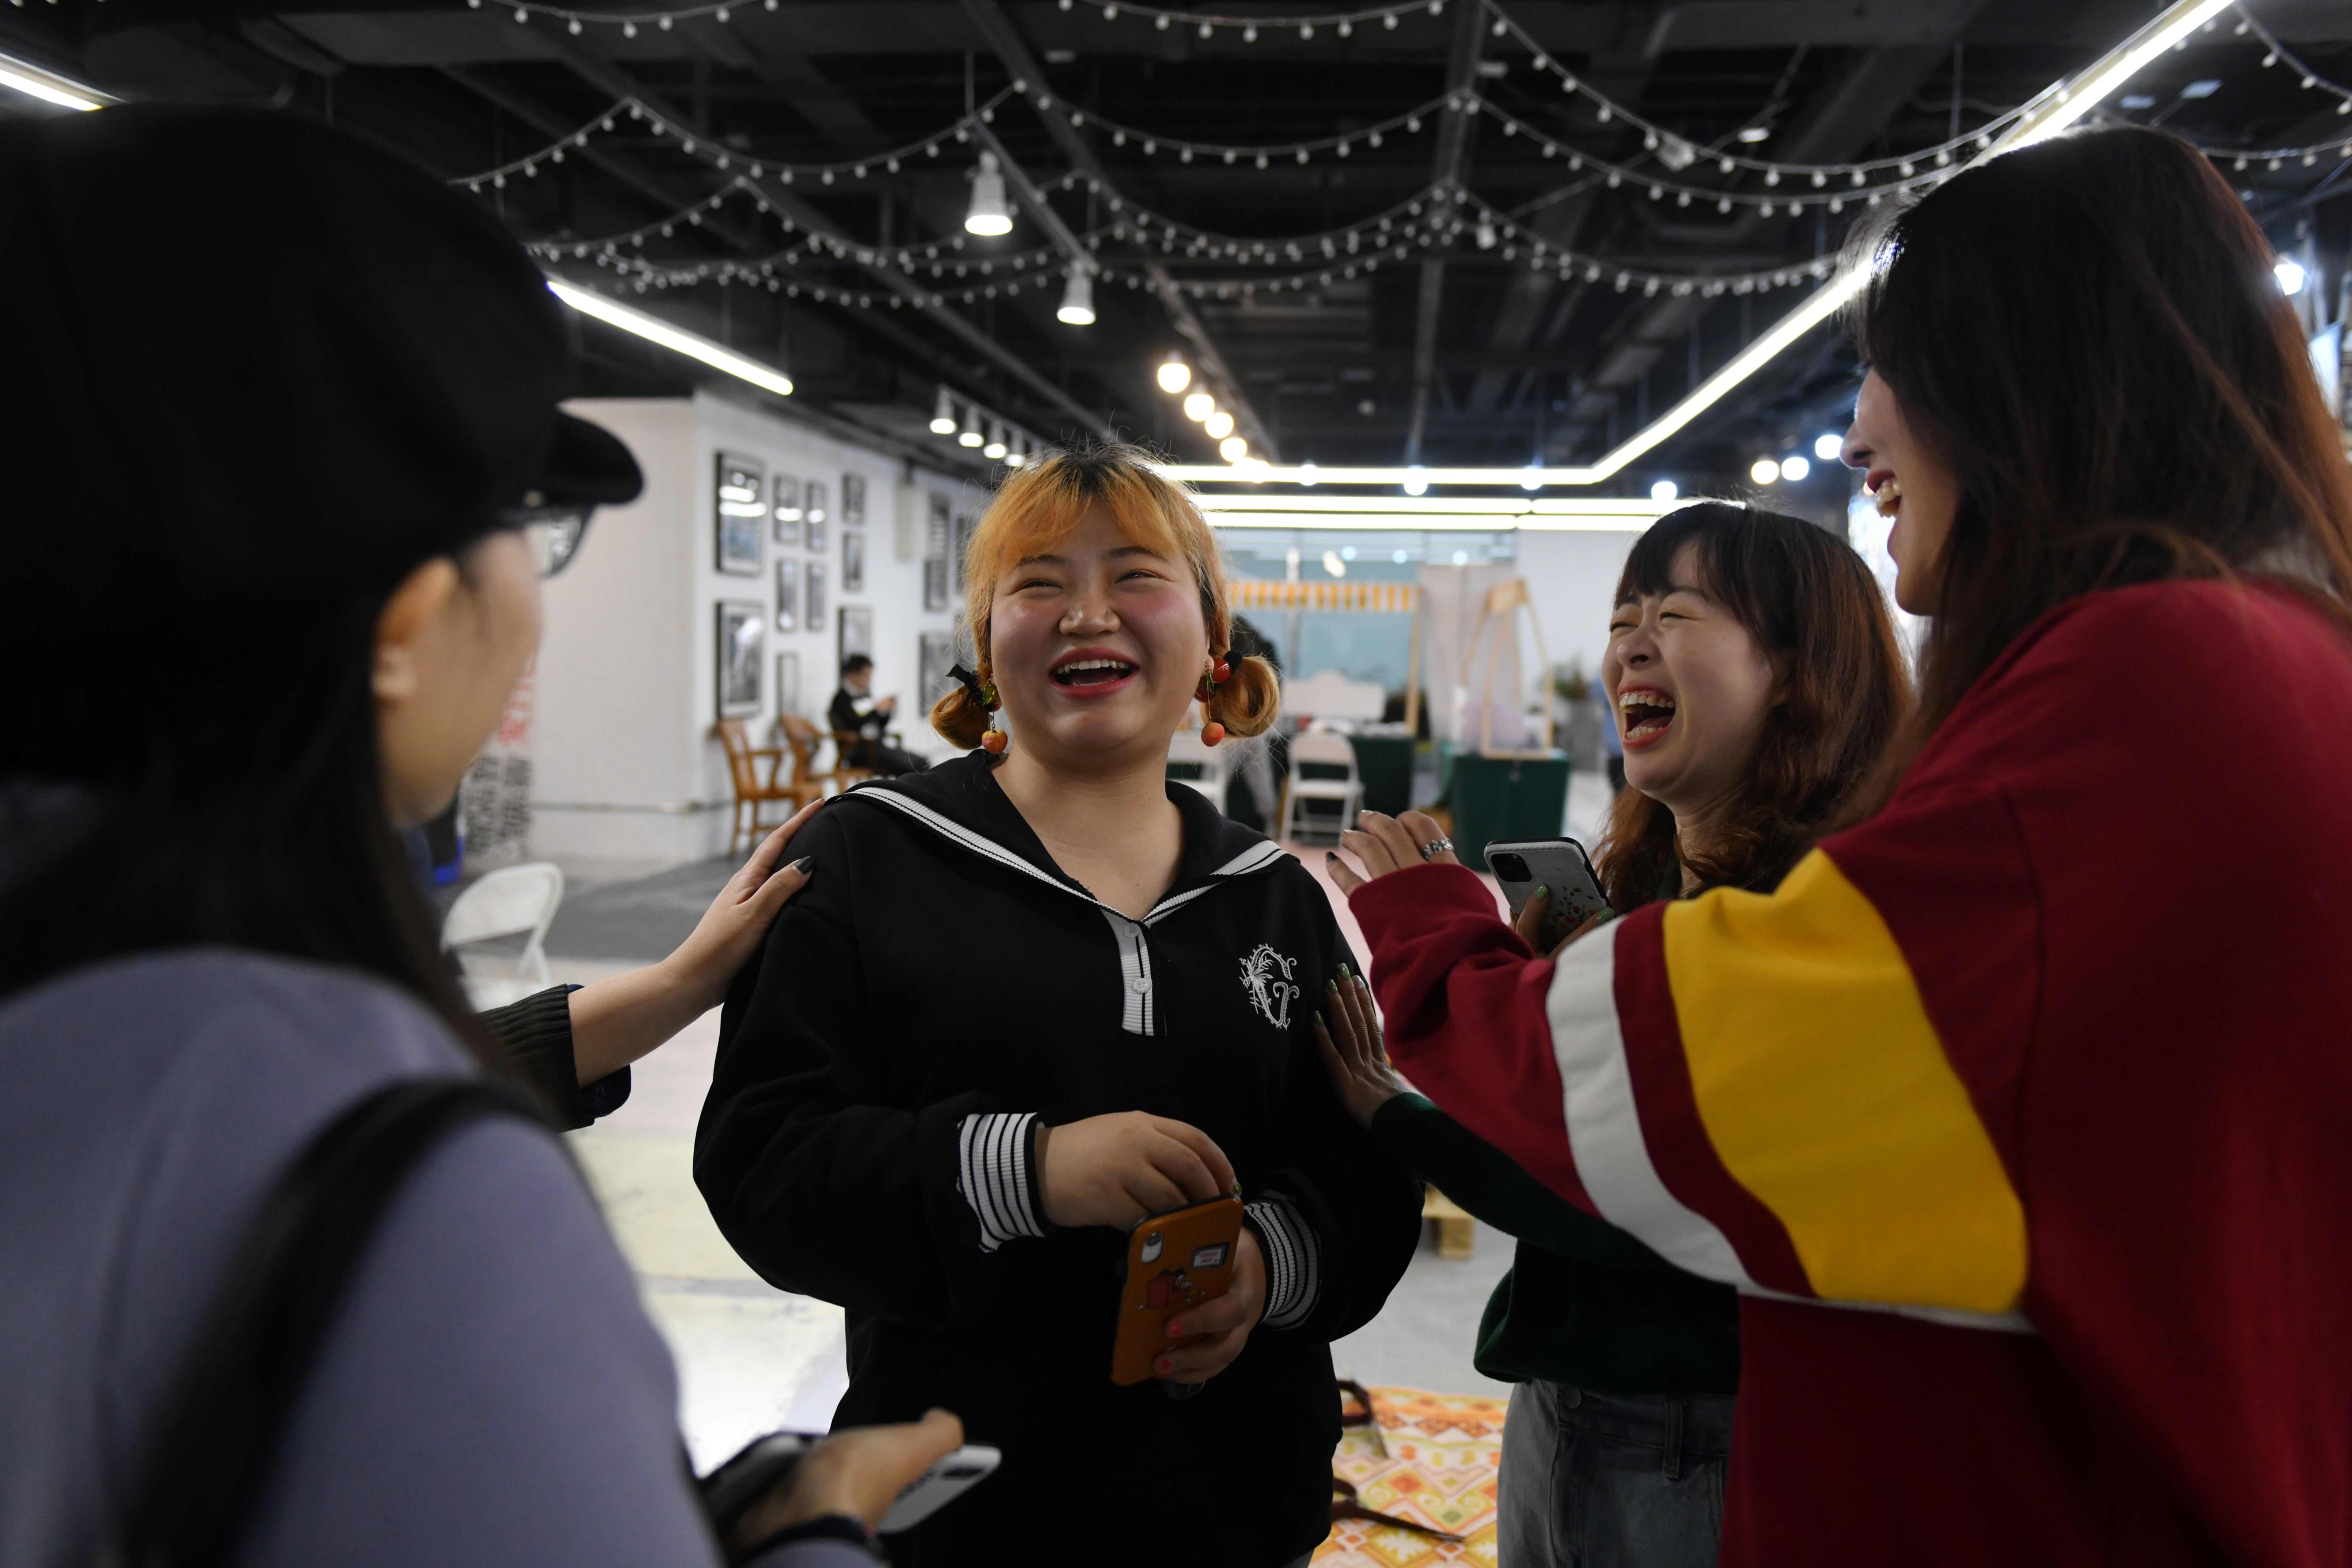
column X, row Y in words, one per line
column 1623, row 517
column 49, row 87
column 613, row 314
column 1310, row 510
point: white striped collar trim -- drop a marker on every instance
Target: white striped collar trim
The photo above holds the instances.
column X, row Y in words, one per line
column 1258, row 857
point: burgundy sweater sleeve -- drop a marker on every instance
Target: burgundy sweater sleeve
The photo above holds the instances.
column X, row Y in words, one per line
column 1464, row 1003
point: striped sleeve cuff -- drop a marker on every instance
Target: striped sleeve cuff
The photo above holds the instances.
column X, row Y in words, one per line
column 1293, row 1260
column 996, row 1168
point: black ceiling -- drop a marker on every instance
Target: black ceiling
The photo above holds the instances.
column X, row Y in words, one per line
column 1429, row 341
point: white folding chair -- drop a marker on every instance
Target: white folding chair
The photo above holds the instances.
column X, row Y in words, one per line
column 519, row 901
column 1322, row 749
column 1207, row 768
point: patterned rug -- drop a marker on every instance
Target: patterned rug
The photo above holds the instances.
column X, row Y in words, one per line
column 1443, row 1452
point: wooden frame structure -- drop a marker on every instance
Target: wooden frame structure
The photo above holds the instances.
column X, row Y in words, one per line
column 1503, row 601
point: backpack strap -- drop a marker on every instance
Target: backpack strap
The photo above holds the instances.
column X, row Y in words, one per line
column 238, row 1383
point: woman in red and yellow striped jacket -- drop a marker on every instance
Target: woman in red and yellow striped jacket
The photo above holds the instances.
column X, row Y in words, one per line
column 2018, row 1113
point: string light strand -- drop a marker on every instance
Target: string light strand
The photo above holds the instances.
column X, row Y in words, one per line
column 720, row 156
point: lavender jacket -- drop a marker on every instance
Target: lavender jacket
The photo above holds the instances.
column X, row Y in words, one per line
column 491, row 1393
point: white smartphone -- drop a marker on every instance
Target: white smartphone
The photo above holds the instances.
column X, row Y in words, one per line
column 1559, row 864
column 941, row 1485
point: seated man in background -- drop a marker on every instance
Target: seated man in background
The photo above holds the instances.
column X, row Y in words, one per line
column 855, row 712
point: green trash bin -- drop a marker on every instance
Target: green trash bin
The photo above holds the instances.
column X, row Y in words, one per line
column 1498, row 799
column 1384, row 764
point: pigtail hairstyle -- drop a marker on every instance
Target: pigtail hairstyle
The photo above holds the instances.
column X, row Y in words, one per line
column 1245, row 703
column 960, row 716
column 1039, row 505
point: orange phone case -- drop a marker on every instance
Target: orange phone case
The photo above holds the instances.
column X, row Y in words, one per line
column 1174, row 1260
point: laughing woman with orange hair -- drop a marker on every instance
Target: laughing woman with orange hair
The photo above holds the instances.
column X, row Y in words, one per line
column 1031, row 996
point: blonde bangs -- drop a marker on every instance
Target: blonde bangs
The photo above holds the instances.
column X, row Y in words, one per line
column 1039, row 507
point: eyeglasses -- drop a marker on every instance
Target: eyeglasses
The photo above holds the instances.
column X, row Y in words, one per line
column 553, row 534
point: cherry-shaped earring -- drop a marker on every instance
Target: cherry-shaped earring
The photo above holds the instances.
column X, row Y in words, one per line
column 994, row 740
column 1206, row 692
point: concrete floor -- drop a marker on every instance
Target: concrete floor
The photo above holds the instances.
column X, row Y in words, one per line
column 751, row 1358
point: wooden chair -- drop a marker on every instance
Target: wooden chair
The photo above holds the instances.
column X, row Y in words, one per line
column 743, row 766
column 809, row 782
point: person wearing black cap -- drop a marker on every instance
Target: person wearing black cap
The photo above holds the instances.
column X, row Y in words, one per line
column 274, row 519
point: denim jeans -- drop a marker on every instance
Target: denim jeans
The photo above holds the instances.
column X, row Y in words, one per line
column 1595, row 1481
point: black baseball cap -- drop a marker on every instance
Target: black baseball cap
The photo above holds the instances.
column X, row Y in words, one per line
column 254, row 355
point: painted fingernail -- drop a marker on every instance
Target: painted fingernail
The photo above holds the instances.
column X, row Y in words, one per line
column 1343, row 972
column 1329, row 985
column 1166, row 1367
column 1543, row 890
column 804, row 863
column 1318, row 1017
column 1175, row 1328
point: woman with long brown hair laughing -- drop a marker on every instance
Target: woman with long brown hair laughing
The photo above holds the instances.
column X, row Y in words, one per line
column 2016, row 1112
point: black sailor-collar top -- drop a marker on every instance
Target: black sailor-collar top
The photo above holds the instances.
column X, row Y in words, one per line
column 961, row 804
column 938, row 969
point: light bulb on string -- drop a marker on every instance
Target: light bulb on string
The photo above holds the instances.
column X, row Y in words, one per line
column 996, row 447
column 1219, row 425
column 1766, row 471
column 969, row 434
column 943, row 421
column 1175, row 375
column 1199, row 406
column 1232, row 448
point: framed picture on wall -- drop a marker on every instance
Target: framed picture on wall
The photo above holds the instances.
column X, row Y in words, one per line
column 784, row 506
column 742, row 509
column 857, row 630
column 788, row 593
column 813, row 597
column 853, row 561
column 788, row 683
column 742, row 649
column 853, row 501
column 813, row 514
column 935, row 654
column 935, row 553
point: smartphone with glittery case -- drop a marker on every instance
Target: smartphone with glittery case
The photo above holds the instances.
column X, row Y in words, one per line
column 1560, row 864
column 1174, row 1260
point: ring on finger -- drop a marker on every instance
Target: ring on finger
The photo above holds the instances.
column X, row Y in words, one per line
column 1435, row 847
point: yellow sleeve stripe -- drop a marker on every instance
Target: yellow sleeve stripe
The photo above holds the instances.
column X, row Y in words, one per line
column 1825, row 1093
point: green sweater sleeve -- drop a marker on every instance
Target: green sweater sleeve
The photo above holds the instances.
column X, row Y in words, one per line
column 1485, row 1181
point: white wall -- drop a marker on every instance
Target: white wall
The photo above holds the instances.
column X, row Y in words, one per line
column 1572, row 579
column 613, row 744
column 625, row 764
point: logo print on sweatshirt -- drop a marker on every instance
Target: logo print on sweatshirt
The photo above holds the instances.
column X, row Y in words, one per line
column 1266, row 975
